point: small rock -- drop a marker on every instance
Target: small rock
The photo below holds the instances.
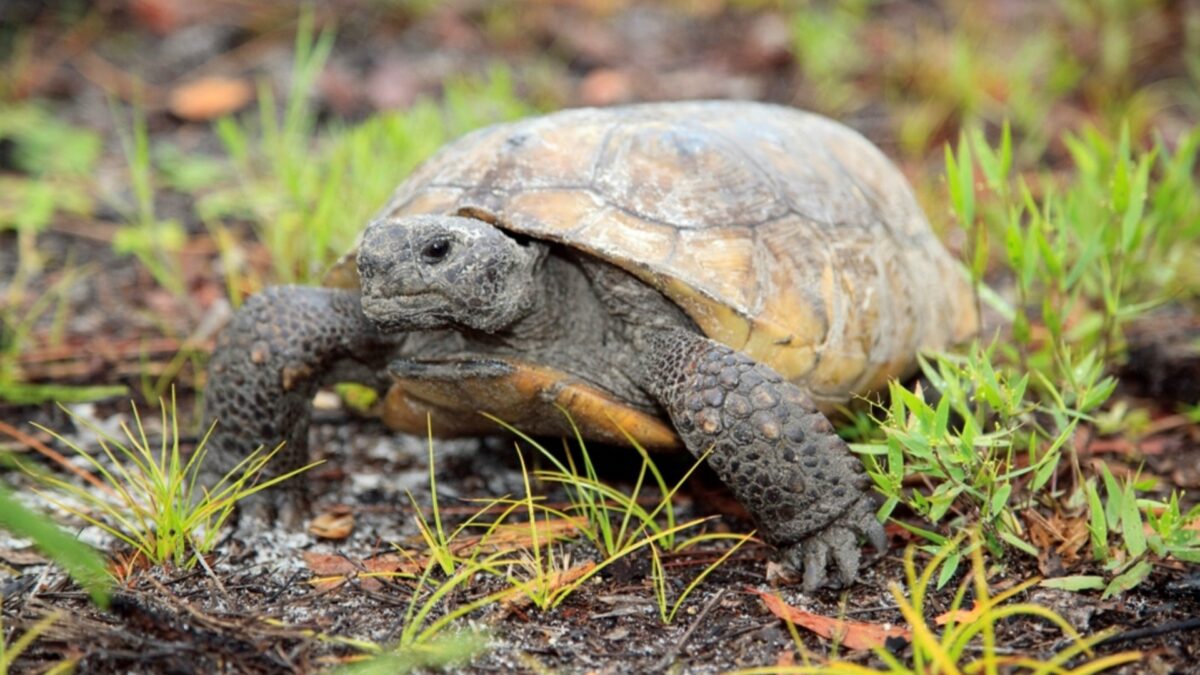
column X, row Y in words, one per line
column 618, row 633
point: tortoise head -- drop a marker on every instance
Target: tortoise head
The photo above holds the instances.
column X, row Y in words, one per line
column 437, row 271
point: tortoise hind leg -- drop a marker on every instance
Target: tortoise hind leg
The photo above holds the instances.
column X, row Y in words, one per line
column 808, row 495
column 279, row 347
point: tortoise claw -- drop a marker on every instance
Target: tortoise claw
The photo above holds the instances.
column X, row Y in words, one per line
column 838, row 542
column 816, row 556
column 846, row 553
column 873, row 530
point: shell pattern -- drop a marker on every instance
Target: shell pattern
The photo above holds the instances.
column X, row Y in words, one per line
column 781, row 233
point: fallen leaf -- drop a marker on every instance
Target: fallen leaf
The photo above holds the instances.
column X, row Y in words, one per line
column 209, row 98
column 852, row 634
column 334, row 568
column 334, row 524
column 160, row 16
column 1059, row 539
column 556, row 581
column 959, row 616
column 513, row 536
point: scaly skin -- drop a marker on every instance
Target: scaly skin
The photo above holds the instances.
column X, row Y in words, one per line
column 277, row 350
column 806, row 492
column 780, row 457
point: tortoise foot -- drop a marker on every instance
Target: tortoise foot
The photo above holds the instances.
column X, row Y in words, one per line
column 809, row 559
column 807, row 493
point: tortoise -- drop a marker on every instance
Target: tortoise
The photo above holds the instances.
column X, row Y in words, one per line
column 711, row 275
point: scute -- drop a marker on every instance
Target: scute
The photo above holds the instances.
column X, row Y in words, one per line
column 684, row 176
column 780, row 233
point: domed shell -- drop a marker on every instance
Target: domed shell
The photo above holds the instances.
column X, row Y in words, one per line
column 781, row 233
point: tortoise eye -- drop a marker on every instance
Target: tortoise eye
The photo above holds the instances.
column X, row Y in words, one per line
column 436, row 250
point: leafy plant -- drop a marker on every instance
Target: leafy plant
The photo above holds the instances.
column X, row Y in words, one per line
column 1121, row 513
column 1080, row 260
column 441, row 546
column 519, row 544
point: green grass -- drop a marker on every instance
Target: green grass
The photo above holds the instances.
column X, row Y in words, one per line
column 310, row 206
column 152, row 498
column 309, row 192
column 952, row 65
column 614, row 519
column 1072, row 266
column 54, row 161
column 155, row 242
column 523, row 542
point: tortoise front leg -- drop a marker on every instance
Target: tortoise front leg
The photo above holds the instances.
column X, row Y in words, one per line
column 277, row 350
column 780, row 456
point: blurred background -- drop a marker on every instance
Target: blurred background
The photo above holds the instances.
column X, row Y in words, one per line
column 161, row 159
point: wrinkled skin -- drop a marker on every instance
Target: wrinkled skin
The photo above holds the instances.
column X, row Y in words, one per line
column 501, row 295
column 442, row 271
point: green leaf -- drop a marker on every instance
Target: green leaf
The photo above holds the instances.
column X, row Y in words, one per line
column 1119, row 189
column 1080, row 582
column 1132, row 225
column 1131, row 524
column 1112, row 489
column 960, row 180
column 1097, row 395
column 1045, row 470
column 1018, row 543
column 84, row 564
column 949, row 567
column 941, row 419
column 34, row 394
column 930, row 535
column 1000, row 499
column 1006, row 152
column 1130, row 579
column 1097, row 522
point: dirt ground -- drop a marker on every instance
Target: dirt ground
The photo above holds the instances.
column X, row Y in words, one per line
column 256, row 609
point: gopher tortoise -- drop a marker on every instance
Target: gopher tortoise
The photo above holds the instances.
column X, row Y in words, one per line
column 715, row 275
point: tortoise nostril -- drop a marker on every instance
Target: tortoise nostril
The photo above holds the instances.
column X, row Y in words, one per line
column 436, row 251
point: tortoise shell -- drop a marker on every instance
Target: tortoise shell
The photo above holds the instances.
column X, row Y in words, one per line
column 780, row 233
